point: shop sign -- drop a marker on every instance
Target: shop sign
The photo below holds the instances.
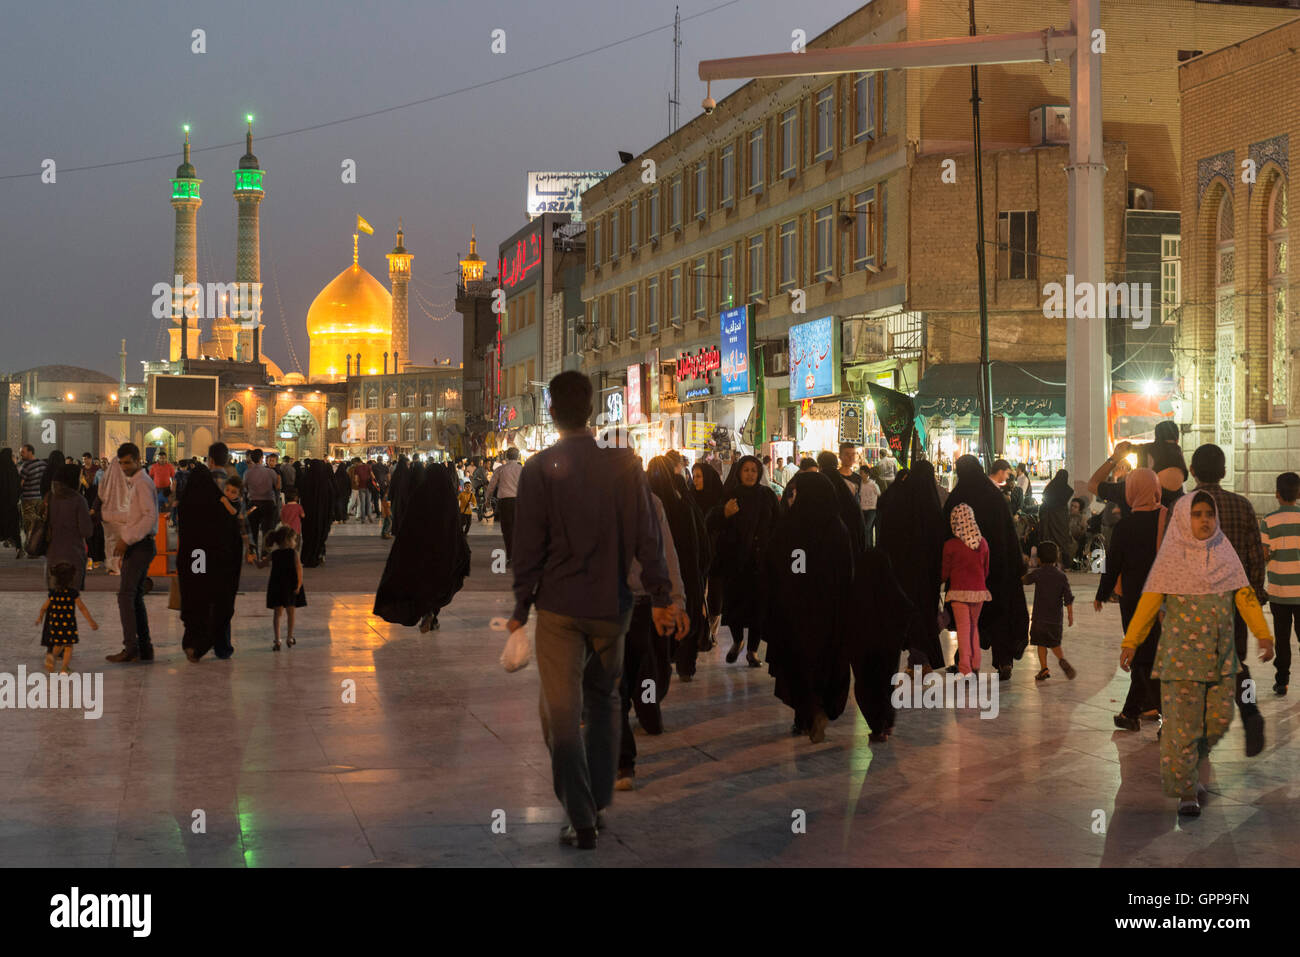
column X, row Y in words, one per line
column 633, row 398
column 614, row 408
column 734, row 324
column 851, row 422
column 698, row 433
column 814, row 359
column 560, row 192
column 696, row 373
column 520, row 262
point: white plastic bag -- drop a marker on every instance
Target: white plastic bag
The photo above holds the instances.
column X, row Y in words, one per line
column 519, row 646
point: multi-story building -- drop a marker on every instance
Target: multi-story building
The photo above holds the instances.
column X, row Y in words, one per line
column 1237, row 328
column 479, row 333
column 419, row 411
column 851, row 197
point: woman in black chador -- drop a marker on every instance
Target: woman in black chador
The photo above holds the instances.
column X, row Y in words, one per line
column 208, row 581
column 808, row 581
column 911, row 529
column 1054, row 516
column 10, row 524
column 342, row 492
column 743, row 524
column 691, row 542
column 706, row 489
column 425, row 570
column 317, row 496
column 399, row 484
column 1004, row 620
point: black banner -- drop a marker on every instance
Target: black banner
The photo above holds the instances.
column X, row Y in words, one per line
column 896, row 414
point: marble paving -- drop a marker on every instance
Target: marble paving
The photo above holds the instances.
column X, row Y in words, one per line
column 440, row 743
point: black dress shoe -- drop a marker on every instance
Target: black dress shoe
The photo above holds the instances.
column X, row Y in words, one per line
column 1279, row 689
column 734, row 653
column 1254, row 723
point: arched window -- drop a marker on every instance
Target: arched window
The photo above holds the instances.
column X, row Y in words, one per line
column 426, row 399
column 356, row 400
column 391, row 434
column 408, row 398
column 390, row 399
column 1225, row 332
column 1277, row 271
column 372, row 399
column 372, row 433
column 234, row 413
column 410, row 431
column 332, row 418
column 428, row 432
column 262, row 416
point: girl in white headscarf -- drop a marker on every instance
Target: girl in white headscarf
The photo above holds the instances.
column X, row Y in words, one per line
column 966, row 570
column 1198, row 579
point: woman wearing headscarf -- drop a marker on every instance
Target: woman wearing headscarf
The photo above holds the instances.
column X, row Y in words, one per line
column 691, row 543
column 70, row 524
column 1004, row 619
column 809, row 568
column 318, row 498
column 1198, row 579
column 1133, row 548
column 398, row 486
column 743, row 524
column 208, row 588
column 966, row 570
column 342, row 491
column 1054, row 516
column 55, row 462
column 10, row 486
column 846, row 501
column 911, row 533
column 706, row 487
column 424, row 571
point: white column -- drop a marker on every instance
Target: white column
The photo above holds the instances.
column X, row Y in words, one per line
column 1087, row 376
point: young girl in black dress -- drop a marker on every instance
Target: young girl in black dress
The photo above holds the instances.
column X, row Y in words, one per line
column 284, row 590
column 60, row 614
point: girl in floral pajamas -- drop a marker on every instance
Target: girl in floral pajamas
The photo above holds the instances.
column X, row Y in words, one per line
column 1198, row 579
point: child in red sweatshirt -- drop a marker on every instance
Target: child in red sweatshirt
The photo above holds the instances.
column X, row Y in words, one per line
column 966, row 570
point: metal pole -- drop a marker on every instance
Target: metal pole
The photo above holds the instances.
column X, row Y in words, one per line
column 1087, row 368
column 985, row 378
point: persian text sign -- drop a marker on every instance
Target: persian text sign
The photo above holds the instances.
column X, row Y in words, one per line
column 734, row 324
column 813, row 359
column 519, row 263
column 560, row 192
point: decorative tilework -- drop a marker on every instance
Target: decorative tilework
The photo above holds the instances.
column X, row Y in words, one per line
column 1275, row 149
column 1224, row 164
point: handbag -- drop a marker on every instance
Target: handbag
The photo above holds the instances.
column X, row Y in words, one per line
column 38, row 542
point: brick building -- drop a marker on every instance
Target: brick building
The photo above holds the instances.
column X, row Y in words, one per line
column 417, row 411
column 1237, row 328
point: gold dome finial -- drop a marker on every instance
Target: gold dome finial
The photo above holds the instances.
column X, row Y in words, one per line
column 473, row 241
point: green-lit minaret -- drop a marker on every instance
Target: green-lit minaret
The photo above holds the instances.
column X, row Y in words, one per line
column 248, row 254
column 186, row 202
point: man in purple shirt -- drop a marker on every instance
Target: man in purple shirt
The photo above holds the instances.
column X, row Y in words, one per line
column 583, row 513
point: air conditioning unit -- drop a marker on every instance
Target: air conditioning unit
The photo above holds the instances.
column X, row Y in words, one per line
column 780, row 363
column 1140, row 198
column 1049, row 125
column 865, row 340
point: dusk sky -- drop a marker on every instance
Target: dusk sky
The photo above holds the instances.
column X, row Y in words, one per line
column 93, row 83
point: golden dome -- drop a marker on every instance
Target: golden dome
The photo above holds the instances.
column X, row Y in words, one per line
column 354, row 304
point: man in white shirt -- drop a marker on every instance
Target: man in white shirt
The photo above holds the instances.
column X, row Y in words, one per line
column 790, row 471
column 136, row 548
column 888, row 467
column 505, row 485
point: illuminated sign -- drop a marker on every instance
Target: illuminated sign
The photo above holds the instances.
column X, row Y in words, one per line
column 560, row 192
column 700, row 393
column 700, row 365
column 518, row 264
column 614, row 407
column 814, row 360
column 734, row 324
column 633, row 402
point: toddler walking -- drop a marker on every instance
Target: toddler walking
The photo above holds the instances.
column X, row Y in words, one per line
column 60, row 614
column 966, row 570
column 466, row 505
column 1051, row 592
column 284, row 591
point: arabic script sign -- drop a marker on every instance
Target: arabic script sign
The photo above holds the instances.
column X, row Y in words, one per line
column 813, row 359
column 518, row 263
column 560, row 192
column 735, row 350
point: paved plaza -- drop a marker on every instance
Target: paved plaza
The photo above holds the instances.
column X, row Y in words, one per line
column 440, row 743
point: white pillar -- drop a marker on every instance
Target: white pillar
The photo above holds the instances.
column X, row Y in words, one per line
column 1087, row 375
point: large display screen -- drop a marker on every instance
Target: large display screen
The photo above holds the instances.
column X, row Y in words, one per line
column 185, row 393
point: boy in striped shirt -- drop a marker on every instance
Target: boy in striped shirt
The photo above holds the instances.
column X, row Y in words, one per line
column 1280, row 534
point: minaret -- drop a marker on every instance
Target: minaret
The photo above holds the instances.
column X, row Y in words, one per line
column 121, row 380
column 248, row 254
column 473, row 265
column 399, row 273
column 186, row 202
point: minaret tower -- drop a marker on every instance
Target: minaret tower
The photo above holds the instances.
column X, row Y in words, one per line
column 473, row 265
column 248, row 250
column 186, row 202
column 399, row 272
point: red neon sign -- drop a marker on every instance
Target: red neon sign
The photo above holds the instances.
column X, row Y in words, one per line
column 700, row 365
column 527, row 256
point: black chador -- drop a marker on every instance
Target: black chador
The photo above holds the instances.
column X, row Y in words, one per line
column 209, row 557
column 912, row 527
column 317, row 495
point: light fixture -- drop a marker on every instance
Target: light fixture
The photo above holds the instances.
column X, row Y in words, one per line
column 70, row 396
column 1149, row 387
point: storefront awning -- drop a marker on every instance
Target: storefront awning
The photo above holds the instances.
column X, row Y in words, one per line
column 1023, row 390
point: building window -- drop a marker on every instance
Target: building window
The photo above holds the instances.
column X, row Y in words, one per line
column 633, row 313
column 1226, row 255
column 700, row 268
column 865, row 235
column 595, row 243
column 390, row 399
column 727, row 277
column 332, row 418
column 1018, row 245
column 426, row 400
column 675, row 201
column 234, row 413
column 822, row 243
column 652, row 304
column 615, row 237
column 754, row 262
column 675, row 294
column 654, row 213
column 789, row 138
column 701, row 188
column 262, row 416
column 1277, row 276
column 390, row 434
column 614, row 328
column 864, row 107
column 428, row 433
column 727, row 176
column 410, row 431
column 789, row 255
column 408, row 398
column 633, row 224
column 1171, row 279
column 824, row 102
column 372, row 399
column 372, row 433
column 756, row 160
column 356, row 400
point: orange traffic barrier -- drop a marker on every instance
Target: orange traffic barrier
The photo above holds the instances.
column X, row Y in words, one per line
column 159, row 567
